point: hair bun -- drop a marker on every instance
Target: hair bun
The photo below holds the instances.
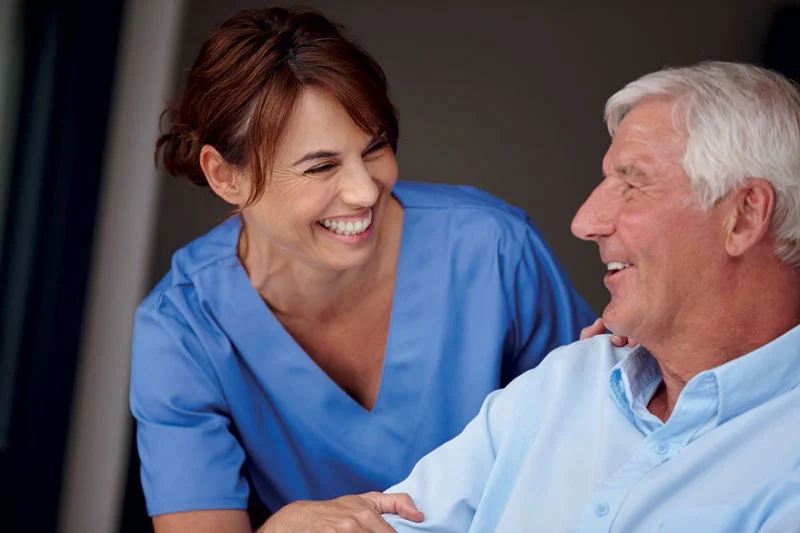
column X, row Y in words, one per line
column 179, row 150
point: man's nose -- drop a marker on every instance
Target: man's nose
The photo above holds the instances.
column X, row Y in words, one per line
column 594, row 218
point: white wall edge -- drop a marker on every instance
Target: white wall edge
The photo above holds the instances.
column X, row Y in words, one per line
column 96, row 460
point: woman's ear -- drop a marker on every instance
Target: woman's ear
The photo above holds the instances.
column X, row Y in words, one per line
column 225, row 180
column 751, row 215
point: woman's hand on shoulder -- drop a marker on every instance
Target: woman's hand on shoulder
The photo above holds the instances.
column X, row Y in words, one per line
column 598, row 328
column 348, row 514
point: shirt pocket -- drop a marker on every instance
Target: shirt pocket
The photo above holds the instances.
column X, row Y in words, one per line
column 707, row 519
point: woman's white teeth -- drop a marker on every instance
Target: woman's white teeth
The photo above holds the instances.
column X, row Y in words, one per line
column 616, row 265
column 348, row 228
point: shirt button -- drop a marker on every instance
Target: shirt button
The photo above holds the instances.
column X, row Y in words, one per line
column 662, row 448
column 601, row 509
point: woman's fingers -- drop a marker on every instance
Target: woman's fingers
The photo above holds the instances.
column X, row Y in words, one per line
column 400, row 504
column 619, row 340
column 596, row 328
column 348, row 514
column 365, row 520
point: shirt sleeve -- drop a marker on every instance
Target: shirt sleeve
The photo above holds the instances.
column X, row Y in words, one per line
column 190, row 460
column 448, row 484
column 547, row 310
column 776, row 507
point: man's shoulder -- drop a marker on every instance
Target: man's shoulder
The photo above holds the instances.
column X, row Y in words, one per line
column 592, row 355
column 573, row 366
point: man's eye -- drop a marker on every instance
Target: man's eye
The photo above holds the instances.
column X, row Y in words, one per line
column 320, row 169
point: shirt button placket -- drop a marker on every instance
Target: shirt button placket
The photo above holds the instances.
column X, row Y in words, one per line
column 598, row 515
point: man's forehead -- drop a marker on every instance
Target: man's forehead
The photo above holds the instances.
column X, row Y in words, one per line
column 627, row 158
column 646, row 121
column 645, row 137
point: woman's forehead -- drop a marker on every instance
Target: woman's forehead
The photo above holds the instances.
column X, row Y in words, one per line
column 320, row 121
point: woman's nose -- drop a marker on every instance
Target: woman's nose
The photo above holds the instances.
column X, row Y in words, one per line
column 359, row 188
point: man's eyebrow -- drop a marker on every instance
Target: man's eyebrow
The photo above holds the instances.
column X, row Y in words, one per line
column 631, row 169
column 319, row 154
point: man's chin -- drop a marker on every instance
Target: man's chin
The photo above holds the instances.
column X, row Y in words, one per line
column 615, row 321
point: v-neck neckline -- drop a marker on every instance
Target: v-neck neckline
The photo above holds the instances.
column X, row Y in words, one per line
column 294, row 386
column 302, row 359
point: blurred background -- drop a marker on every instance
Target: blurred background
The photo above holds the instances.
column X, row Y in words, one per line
column 502, row 95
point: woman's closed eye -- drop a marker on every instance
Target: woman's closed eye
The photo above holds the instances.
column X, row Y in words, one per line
column 374, row 150
column 376, row 147
column 321, row 169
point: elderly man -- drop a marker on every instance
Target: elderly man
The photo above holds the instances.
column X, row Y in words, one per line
column 698, row 429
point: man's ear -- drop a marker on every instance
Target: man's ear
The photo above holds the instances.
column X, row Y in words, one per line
column 753, row 205
column 224, row 179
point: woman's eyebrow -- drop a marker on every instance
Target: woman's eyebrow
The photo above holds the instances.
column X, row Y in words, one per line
column 319, row 154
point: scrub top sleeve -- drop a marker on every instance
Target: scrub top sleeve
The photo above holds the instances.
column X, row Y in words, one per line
column 190, row 460
column 448, row 484
column 547, row 311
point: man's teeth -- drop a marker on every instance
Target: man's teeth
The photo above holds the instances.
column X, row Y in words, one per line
column 348, row 228
column 616, row 265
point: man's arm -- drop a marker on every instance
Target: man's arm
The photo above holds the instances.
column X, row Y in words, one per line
column 348, row 514
column 448, row 484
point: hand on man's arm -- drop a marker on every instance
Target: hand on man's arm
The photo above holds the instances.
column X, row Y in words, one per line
column 348, row 514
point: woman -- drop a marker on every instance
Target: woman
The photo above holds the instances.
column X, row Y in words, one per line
column 342, row 324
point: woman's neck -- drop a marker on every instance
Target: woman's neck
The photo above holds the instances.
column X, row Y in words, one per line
column 295, row 288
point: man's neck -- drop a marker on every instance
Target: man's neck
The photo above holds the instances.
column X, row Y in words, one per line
column 741, row 319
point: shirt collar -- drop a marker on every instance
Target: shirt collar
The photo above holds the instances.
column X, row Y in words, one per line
column 632, row 377
column 759, row 376
column 742, row 384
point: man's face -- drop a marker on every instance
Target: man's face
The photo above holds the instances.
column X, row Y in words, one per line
column 663, row 252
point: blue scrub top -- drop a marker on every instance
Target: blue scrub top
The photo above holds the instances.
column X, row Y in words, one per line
column 221, row 391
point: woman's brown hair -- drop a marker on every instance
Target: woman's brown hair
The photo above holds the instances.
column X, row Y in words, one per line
column 242, row 88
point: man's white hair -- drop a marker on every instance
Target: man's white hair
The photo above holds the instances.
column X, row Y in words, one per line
column 741, row 121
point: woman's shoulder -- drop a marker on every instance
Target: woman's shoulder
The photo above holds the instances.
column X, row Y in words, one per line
column 215, row 249
column 455, row 197
column 463, row 210
column 174, row 326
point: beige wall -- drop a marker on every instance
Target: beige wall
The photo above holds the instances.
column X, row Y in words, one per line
column 508, row 98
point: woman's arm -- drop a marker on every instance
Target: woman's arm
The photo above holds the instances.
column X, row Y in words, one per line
column 190, row 458
column 227, row 520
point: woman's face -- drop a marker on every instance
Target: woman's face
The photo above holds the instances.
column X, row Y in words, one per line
column 330, row 184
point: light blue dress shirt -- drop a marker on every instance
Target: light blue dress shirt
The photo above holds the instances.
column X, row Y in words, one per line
column 225, row 399
column 571, row 447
